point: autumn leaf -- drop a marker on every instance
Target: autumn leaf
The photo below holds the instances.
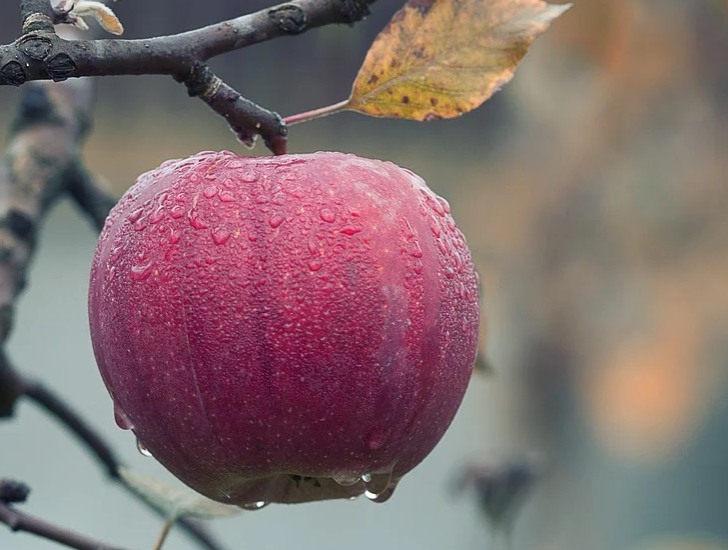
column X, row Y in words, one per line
column 443, row 58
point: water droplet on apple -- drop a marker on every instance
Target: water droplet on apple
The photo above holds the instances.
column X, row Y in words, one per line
column 249, row 176
column 220, row 235
column 177, row 212
column 253, row 506
column 196, row 221
column 115, row 253
column 377, row 487
column 142, row 449
column 384, row 496
column 121, row 418
column 346, row 479
column 315, row 264
column 445, row 204
column 210, row 191
column 141, row 272
column 351, row 230
column 134, row 216
column 328, row 215
column 376, row 438
column 276, row 220
column 226, row 196
column 434, row 204
column 157, row 216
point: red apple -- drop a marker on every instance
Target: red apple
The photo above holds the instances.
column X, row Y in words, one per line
column 284, row 329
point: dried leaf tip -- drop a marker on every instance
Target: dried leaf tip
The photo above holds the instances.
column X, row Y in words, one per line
column 73, row 12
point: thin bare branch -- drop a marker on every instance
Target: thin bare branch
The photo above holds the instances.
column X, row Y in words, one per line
column 242, row 114
column 19, row 521
column 74, row 423
column 90, row 193
column 102, row 451
column 41, row 163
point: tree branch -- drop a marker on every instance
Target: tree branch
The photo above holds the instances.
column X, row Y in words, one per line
column 102, row 451
column 19, row 521
column 40, row 54
column 41, row 164
column 90, row 194
column 49, row 128
column 241, row 114
column 74, row 423
column 37, row 15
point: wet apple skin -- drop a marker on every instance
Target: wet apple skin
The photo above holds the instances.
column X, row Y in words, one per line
column 267, row 326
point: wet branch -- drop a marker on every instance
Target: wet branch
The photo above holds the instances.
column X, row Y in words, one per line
column 40, row 54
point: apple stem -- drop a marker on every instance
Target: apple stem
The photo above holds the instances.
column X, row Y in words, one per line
column 163, row 533
column 317, row 113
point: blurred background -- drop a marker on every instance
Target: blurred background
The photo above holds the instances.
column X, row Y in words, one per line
column 593, row 191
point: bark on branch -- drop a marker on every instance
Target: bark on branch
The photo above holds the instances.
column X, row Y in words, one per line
column 40, row 54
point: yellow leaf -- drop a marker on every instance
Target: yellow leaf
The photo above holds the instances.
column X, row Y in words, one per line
column 443, row 58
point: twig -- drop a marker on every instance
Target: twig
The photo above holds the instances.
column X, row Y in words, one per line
column 316, row 113
column 163, row 534
column 19, row 521
column 102, row 451
column 246, row 119
column 73, row 422
column 40, row 54
column 90, row 194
